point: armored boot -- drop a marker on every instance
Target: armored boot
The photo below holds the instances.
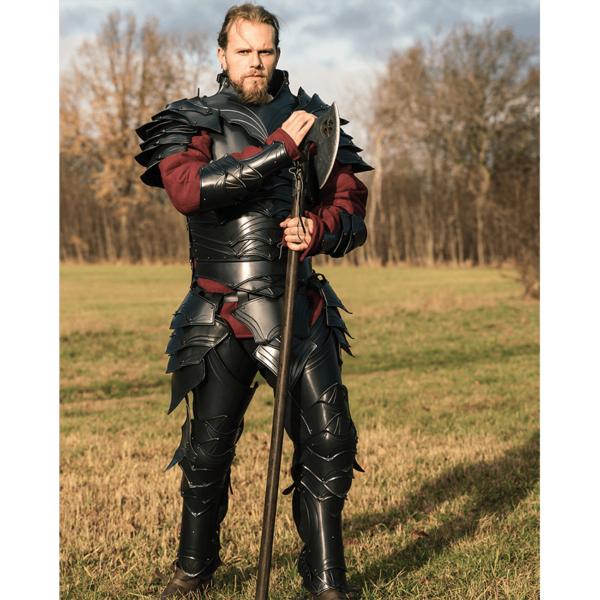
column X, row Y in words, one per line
column 180, row 585
column 334, row 595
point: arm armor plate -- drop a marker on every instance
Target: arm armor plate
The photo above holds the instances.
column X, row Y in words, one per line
column 229, row 180
column 350, row 234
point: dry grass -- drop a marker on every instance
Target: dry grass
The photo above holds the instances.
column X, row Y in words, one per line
column 447, row 418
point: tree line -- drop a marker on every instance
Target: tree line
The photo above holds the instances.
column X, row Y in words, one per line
column 456, row 136
column 453, row 134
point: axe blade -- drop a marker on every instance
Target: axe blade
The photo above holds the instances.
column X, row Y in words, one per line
column 325, row 133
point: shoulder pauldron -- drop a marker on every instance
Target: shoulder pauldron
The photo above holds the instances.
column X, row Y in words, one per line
column 170, row 131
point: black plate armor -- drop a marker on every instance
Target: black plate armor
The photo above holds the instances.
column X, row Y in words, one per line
column 235, row 239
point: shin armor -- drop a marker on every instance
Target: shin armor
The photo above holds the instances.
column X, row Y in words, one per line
column 325, row 447
column 220, row 402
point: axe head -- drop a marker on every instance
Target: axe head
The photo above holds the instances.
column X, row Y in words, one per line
column 325, row 133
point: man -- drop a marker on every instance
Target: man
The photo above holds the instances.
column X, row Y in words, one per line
column 225, row 163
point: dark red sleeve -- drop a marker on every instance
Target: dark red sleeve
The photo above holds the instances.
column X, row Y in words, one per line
column 342, row 191
column 180, row 177
column 180, row 171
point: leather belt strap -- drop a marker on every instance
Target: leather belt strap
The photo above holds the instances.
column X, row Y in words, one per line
column 232, row 274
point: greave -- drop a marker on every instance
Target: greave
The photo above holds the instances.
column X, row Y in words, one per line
column 204, row 489
column 323, row 473
column 219, row 407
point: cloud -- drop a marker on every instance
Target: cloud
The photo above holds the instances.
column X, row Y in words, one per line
column 328, row 47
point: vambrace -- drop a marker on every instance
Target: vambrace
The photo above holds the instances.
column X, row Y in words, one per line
column 229, row 180
column 351, row 233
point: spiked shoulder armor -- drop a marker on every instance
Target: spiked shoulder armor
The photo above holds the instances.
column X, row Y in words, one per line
column 222, row 115
column 170, row 132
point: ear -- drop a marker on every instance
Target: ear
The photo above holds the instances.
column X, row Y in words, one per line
column 222, row 59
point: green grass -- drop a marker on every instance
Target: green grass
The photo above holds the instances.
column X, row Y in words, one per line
column 444, row 391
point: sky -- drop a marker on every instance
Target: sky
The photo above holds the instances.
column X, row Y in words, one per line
column 328, row 46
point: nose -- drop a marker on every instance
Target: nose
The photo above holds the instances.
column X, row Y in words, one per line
column 256, row 60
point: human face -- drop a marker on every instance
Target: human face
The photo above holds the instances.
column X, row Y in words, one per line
column 250, row 59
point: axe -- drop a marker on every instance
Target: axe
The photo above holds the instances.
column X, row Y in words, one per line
column 325, row 133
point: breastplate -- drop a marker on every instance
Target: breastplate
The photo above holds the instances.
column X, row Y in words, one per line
column 243, row 242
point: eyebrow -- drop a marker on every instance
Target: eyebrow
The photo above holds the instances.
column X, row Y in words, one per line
column 270, row 50
column 248, row 47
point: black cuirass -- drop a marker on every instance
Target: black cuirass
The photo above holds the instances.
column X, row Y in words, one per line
column 240, row 245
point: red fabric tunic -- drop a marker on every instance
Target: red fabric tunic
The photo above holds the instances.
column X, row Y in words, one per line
column 342, row 191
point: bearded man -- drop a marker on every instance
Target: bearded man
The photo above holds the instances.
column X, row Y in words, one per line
column 226, row 162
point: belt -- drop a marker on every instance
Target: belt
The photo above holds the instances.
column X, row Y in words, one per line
column 232, row 274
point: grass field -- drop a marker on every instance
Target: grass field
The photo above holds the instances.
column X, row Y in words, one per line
column 444, row 391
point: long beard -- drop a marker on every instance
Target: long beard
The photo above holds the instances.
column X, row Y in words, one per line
column 255, row 95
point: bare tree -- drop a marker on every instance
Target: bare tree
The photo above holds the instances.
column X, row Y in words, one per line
column 461, row 117
column 119, row 80
column 487, row 101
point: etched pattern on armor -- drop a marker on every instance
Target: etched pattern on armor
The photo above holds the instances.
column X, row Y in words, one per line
column 249, row 237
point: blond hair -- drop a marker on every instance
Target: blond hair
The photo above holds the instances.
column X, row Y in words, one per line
column 248, row 12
